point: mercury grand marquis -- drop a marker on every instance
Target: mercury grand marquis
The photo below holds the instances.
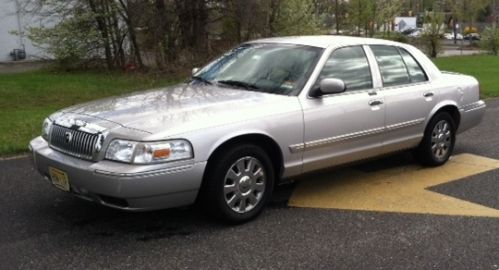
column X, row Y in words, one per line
column 266, row 111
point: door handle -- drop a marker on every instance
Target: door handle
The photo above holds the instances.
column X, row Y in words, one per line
column 375, row 102
column 428, row 94
column 372, row 93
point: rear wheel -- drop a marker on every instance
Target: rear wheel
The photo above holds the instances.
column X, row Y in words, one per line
column 438, row 142
column 239, row 183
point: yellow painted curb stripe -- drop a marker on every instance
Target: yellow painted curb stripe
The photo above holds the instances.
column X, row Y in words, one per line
column 402, row 189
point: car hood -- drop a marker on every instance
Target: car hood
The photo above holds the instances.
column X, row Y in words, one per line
column 183, row 108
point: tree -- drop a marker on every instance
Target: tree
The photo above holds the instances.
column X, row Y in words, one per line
column 361, row 16
column 468, row 11
column 385, row 13
column 431, row 34
column 177, row 32
column 490, row 40
column 296, row 17
column 331, row 13
column 339, row 10
column 109, row 21
column 61, row 41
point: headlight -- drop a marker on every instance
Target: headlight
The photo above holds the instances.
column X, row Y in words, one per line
column 47, row 124
column 149, row 152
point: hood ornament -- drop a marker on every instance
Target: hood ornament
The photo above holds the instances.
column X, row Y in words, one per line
column 77, row 124
column 68, row 136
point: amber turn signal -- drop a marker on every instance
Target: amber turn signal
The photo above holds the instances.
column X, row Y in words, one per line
column 161, row 153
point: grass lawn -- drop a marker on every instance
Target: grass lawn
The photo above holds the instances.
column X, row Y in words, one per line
column 27, row 98
column 484, row 67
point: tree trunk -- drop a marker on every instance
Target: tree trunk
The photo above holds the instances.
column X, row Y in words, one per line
column 185, row 21
column 337, row 16
column 274, row 11
column 161, row 36
column 103, row 30
column 132, row 34
column 115, row 35
column 193, row 18
column 199, row 27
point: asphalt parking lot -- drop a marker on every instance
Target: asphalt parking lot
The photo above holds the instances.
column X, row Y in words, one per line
column 383, row 214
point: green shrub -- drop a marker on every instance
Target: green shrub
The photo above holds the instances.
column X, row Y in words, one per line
column 490, row 40
column 72, row 42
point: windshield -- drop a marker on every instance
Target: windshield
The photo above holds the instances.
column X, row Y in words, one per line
column 271, row 68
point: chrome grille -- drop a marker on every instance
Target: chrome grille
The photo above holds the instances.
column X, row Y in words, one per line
column 80, row 145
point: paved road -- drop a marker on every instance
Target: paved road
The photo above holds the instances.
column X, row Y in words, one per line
column 451, row 49
column 42, row 228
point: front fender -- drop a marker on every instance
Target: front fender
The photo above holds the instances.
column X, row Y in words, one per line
column 236, row 134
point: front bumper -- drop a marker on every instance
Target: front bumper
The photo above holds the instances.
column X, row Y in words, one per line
column 123, row 186
column 471, row 115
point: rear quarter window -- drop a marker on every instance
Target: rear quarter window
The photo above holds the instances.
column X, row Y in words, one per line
column 416, row 72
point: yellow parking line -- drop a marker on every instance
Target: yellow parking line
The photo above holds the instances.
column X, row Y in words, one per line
column 402, row 189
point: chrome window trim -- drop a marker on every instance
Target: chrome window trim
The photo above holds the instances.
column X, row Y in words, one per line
column 315, row 74
column 375, row 72
column 392, row 87
column 397, row 48
column 415, row 60
column 380, row 78
column 320, row 66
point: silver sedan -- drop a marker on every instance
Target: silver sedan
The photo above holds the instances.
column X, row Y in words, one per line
column 266, row 111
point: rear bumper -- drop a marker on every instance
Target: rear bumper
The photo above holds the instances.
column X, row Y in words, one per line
column 123, row 186
column 471, row 115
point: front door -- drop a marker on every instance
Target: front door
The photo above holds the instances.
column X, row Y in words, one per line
column 348, row 126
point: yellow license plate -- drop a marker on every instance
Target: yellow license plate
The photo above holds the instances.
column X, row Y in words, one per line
column 59, row 178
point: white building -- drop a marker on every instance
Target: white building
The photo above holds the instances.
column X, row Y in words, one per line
column 13, row 19
column 405, row 23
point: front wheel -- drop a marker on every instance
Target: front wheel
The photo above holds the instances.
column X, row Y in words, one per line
column 239, row 183
column 438, row 142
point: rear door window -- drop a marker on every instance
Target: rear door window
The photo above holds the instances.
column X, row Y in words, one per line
column 392, row 66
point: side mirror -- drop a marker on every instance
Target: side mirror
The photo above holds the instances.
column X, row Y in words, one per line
column 194, row 71
column 328, row 87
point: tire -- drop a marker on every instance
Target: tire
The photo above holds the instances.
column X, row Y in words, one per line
column 438, row 142
column 238, row 184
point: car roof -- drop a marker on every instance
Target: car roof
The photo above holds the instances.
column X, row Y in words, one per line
column 326, row 41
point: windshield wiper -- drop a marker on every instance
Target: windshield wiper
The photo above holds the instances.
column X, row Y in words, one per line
column 244, row 85
column 201, row 79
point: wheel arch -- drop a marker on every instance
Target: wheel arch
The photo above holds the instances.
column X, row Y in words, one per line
column 449, row 107
column 265, row 141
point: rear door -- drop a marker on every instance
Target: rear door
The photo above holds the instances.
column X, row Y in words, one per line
column 407, row 93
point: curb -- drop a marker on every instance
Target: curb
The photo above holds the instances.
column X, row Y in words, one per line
column 20, row 156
